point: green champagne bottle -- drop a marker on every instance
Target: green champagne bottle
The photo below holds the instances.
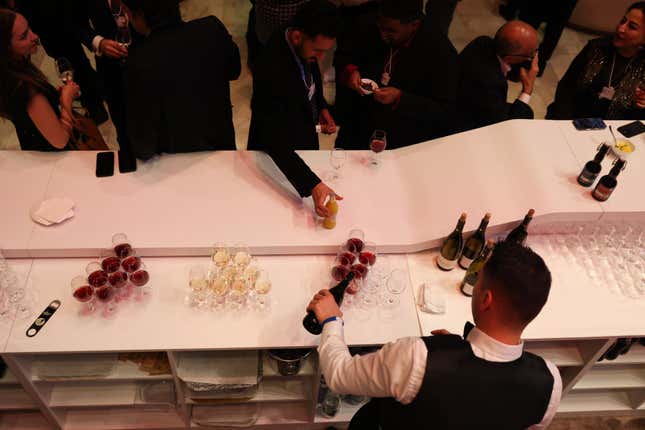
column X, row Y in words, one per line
column 452, row 246
column 474, row 244
column 472, row 274
column 520, row 233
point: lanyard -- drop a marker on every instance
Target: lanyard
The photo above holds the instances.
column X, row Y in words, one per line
column 613, row 64
column 310, row 87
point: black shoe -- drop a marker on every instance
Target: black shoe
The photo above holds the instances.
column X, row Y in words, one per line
column 98, row 113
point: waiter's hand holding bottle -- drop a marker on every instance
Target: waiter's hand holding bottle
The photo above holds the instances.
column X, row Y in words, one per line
column 324, row 306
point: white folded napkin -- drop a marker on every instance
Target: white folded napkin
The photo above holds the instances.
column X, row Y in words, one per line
column 53, row 211
column 431, row 300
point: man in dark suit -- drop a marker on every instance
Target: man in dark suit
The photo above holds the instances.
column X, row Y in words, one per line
column 178, row 81
column 415, row 67
column 288, row 102
column 54, row 21
column 486, row 64
column 96, row 28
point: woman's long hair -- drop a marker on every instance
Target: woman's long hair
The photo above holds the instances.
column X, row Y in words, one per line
column 19, row 78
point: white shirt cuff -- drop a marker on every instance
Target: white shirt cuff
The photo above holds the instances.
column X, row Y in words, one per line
column 526, row 98
column 96, row 43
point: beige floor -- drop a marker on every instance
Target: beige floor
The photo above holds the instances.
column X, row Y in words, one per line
column 473, row 18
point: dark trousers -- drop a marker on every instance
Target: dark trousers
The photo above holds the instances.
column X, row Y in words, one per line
column 556, row 14
column 112, row 78
column 440, row 13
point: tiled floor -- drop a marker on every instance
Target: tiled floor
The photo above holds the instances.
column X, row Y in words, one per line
column 473, row 18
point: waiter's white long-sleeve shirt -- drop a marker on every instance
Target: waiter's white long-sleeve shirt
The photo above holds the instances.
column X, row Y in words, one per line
column 397, row 370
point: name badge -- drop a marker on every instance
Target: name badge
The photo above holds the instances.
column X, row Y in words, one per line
column 607, row 93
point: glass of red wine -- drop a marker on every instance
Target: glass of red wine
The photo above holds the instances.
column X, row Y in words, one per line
column 354, row 286
column 131, row 263
column 83, row 292
column 139, row 278
column 367, row 256
column 96, row 276
column 355, row 241
column 106, row 295
column 109, row 261
column 122, row 247
column 119, row 280
column 378, row 142
column 360, row 270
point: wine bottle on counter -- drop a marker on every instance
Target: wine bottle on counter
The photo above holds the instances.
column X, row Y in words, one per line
column 520, row 233
column 474, row 244
column 310, row 323
column 608, row 183
column 452, row 246
column 472, row 274
column 591, row 170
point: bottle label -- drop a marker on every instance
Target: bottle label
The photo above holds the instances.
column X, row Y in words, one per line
column 467, row 289
column 465, row 261
column 445, row 264
column 587, row 178
column 602, row 193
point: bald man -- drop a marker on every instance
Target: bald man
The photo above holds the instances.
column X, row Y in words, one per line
column 486, row 65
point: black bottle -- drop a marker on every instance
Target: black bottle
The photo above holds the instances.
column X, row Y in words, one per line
column 310, row 322
column 608, row 183
column 591, row 170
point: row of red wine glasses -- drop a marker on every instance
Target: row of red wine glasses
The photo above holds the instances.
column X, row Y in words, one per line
column 117, row 275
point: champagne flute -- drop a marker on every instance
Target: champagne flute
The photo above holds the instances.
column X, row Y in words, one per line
column 378, row 142
column 337, row 158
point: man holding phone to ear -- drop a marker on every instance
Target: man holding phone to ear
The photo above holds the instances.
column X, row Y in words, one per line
column 485, row 67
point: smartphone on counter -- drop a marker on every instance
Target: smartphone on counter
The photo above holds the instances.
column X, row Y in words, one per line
column 127, row 162
column 632, row 129
column 589, row 124
column 104, row 164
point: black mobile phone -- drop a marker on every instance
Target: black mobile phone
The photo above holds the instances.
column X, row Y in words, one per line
column 127, row 162
column 632, row 129
column 104, row 164
column 589, row 124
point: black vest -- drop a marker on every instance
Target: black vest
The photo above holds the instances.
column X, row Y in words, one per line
column 463, row 392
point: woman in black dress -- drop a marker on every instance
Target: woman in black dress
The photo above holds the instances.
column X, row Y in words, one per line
column 42, row 116
column 607, row 79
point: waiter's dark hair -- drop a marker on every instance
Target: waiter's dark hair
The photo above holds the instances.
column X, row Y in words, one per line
column 640, row 5
column 406, row 11
column 519, row 275
column 316, row 18
column 156, row 12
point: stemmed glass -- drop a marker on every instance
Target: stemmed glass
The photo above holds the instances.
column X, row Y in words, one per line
column 221, row 255
column 83, row 292
column 198, row 285
column 378, row 142
column 397, row 282
column 261, row 287
column 123, row 36
column 66, row 71
column 337, row 157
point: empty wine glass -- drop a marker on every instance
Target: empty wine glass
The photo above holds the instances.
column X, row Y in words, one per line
column 378, row 142
column 83, row 292
column 397, row 282
column 337, row 157
column 65, row 71
column 389, row 305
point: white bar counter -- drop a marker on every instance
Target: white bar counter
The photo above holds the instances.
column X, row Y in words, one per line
column 179, row 205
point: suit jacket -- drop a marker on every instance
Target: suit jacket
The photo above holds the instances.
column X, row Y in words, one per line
column 426, row 73
column 282, row 118
column 483, row 88
column 178, row 91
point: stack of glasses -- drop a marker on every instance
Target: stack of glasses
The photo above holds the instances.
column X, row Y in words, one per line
column 233, row 280
column 611, row 254
column 13, row 294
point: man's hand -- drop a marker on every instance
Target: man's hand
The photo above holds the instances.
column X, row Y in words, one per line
column 440, row 332
column 354, row 82
column 327, row 124
column 527, row 77
column 112, row 49
column 639, row 98
column 324, row 306
column 320, row 193
column 387, row 95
